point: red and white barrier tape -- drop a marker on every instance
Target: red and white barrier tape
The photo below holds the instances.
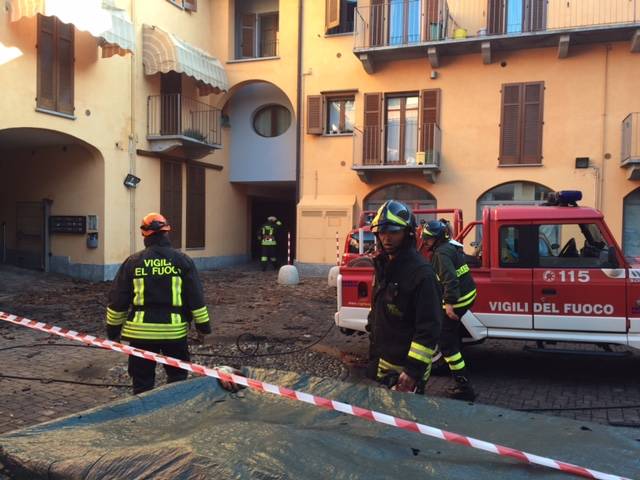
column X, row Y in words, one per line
column 337, row 249
column 288, row 248
column 364, row 413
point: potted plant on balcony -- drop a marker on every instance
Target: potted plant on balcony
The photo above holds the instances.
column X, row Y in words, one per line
column 195, row 134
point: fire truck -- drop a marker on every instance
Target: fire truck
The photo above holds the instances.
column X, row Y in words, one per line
column 548, row 273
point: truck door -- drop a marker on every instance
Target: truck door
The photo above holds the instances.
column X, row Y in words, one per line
column 505, row 301
column 574, row 288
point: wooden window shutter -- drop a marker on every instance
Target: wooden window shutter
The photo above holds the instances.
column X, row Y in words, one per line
column 191, row 5
column 495, row 17
column 171, row 199
column 510, row 124
column 315, row 115
column 65, row 83
column 248, row 38
column 46, row 63
column 372, row 135
column 430, row 111
column 331, row 14
column 532, row 122
column 196, row 177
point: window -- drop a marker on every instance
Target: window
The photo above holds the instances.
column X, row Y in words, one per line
column 55, row 65
column 171, row 199
column 340, row 15
column 516, row 16
column 521, row 124
column 401, row 129
column 340, row 115
column 401, row 136
column 631, row 224
column 190, row 5
column 368, row 242
column 516, row 246
column 331, row 113
column 271, row 120
column 257, row 35
column 572, row 245
column 196, row 219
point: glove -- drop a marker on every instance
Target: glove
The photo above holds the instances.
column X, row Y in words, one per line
column 229, row 386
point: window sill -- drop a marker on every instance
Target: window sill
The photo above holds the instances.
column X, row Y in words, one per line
column 192, row 249
column 253, row 59
column 332, row 35
column 55, row 113
column 337, row 134
column 512, row 165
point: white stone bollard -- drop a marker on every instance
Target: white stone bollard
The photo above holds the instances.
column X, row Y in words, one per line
column 333, row 276
column 288, row 275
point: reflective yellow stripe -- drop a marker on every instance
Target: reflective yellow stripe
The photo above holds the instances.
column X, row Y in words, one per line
column 114, row 317
column 176, row 318
column 385, row 367
column 422, row 349
column 176, row 291
column 138, row 317
column 456, row 366
column 466, row 299
column 453, row 358
column 161, row 327
column 138, row 291
column 395, row 218
column 462, row 270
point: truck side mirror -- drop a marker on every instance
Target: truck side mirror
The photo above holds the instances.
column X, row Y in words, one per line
column 612, row 258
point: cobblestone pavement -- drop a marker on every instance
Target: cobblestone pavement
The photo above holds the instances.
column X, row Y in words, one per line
column 583, row 387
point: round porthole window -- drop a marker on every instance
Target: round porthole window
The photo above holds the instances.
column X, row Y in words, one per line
column 271, row 120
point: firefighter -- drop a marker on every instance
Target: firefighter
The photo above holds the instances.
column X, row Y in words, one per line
column 269, row 243
column 153, row 299
column 458, row 293
column 405, row 316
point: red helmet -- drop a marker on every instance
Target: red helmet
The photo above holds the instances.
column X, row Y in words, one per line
column 154, row 223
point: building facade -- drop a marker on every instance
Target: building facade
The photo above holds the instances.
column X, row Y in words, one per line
column 116, row 108
column 219, row 113
column 466, row 104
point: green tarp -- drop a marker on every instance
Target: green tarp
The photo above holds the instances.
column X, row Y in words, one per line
column 196, row 430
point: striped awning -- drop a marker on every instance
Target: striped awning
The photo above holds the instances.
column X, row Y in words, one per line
column 164, row 52
column 110, row 25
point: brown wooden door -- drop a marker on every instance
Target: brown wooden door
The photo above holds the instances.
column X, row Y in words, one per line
column 248, row 35
column 171, row 199
column 29, row 251
column 535, row 15
column 372, row 138
column 377, row 17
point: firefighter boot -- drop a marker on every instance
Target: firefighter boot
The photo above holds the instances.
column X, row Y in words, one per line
column 462, row 390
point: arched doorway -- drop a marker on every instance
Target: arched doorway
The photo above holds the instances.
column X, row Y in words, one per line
column 631, row 224
column 415, row 197
column 51, row 197
column 512, row 193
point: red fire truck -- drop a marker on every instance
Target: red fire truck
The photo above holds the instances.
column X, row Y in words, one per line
column 551, row 272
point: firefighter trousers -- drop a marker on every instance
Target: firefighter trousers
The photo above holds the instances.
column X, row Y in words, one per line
column 269, row 254
column 143, row 372
column 450, row 341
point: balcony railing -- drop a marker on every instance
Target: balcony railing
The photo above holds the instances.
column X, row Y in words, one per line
column 411, row 22
column 631, row 139
column 174, row 115
column 397, row 148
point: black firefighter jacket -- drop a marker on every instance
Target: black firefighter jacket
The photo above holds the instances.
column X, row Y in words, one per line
column 155, row 295
column 406, row 311
column 454, row 275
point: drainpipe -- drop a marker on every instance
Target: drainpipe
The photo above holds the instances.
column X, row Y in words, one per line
column 605, row 108
column 4, row 242
column 132, row 140
column 299, row 110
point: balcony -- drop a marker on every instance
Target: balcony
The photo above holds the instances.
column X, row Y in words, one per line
column 392, row 149
column 181, row 125
column 630, row 152
column 397, row 29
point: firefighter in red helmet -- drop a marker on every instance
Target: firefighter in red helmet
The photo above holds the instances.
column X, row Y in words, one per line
column 154, row 298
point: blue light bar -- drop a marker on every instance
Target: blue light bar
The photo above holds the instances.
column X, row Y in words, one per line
column 569, row 196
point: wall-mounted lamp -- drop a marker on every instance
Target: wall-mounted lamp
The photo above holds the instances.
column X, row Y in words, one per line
column 131, row 181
